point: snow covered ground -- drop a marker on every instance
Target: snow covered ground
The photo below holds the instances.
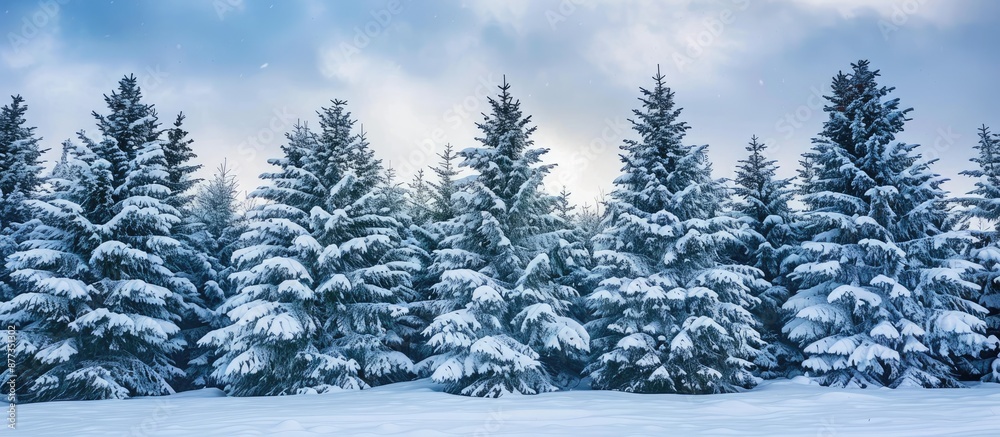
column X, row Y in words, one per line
column 419, row 408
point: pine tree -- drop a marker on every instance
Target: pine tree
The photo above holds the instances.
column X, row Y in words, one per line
column 322, row 266
column 180, row 171
column 882, row 299
column 194, row 257
column 570, row 260
column 54, row 284
column 672, row 312
column 369, row 263
column 20, row 159
column 128, row 130
column 420, row 199
column 564, row 208
column 96, row 304
column 275, row 342
column 365, row 266
column 346, row 151
column 984, row 206
column 217, row 204
column 138, row 283
column 762, row 203
column 427, row 236
column 130, row 125
column 505, row 329
column 218, row 209
column 445, row 187
column 102, row 258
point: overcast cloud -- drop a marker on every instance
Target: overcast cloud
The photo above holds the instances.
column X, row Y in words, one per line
column 417, row 74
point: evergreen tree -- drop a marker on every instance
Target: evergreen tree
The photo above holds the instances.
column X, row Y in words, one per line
column 881, row 299
column 345, row 151
column 100, row 265
column 7, row 247
column 321, row 267
column 363, row 163
column 20, row 159
column 440, row 221
column 54, row 283
column 138, row 281
column 420, row 199
column 275, row 342
column 505, row 329
column 130, row 125
column 180, row 171
column 571, row 260
column 563, row 207
column 762, row 203
column 96, row 305
column 365, row 267
column 672, row 312
column 445, row 187
column 194, row 258
column 217, row 205
column 984, row 206
column 128, row 130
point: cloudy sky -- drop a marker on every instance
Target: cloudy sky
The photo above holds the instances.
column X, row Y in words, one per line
column 417, row 74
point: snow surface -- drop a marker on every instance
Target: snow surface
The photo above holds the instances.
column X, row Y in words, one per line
column 419, row 408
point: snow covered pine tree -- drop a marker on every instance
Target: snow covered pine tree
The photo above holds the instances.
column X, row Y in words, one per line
column 98, row 304
column 762, row 202
column 984, row 203
column 321, row 278
column 506, row 330
column 20, row 167
column 433, row 205
column 672, row 313
column 882, row 298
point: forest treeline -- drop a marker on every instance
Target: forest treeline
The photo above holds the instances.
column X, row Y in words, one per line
column 124, row 275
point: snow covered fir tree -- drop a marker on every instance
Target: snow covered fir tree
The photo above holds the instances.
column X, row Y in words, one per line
column 128, row 275
column 506, row 328
column 322, row 273
column 984, row 203
column 672, row 311
column 883, row 297
column 96, row 304
column 20, row 161
column 762, row 200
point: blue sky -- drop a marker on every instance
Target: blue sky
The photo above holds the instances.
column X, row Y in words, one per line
column 417, row 74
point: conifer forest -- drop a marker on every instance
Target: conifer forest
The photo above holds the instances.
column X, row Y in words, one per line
column 158, row 279
column 127, row 276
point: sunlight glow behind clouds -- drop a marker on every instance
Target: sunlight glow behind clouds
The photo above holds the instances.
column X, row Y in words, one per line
column 416, row 76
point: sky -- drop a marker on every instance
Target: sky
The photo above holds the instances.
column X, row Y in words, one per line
column 417, row 74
